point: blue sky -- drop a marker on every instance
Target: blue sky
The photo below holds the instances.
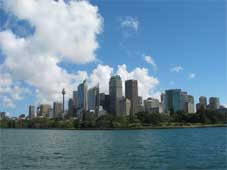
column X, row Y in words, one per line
column 189, row 34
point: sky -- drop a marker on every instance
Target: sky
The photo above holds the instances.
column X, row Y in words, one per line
column 48, row 45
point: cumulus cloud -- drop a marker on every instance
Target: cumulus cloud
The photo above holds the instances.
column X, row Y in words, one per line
column 147, row 85
column 191, row 75
column 63, row 32
column 101, row 76
column 130, row 23
column 151, row 61
column 176, row 69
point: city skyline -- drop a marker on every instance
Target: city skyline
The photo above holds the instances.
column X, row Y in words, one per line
column 88, row 100
column 163, row 48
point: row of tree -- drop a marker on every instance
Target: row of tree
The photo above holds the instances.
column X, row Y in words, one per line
column 142, row 119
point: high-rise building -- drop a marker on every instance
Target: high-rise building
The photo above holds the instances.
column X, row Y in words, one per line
column 164, row 103
column 214, row 103
column 70, row 107
column 75, row 99
column 131, row 92
column 93, row 98
column 82, row 96
column 2, row 115
column 57, row 110
column 44, row 110
column 189, row 105
column 125, row 107
column 203, row 103
column 187, row 102
column 173, row 100
column 152, row 105
column 115, row 91
column 140, row 107
column 31, row 111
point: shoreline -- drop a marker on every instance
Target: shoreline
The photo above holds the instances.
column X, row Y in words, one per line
column 132, row 128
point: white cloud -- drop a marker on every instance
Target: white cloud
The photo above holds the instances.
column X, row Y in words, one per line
column 63, row 31
column 8, row 102
column 191, row 75
column 151, row 61
column 101, row 75
column 130, row 22
column 176, row 69
column 147, row 85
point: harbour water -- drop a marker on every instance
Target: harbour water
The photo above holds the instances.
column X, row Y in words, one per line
column 164, row 149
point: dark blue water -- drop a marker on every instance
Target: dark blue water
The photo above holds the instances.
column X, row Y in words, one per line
column 169, row 149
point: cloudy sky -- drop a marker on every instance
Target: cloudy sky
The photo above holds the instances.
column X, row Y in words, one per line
column 47, row 45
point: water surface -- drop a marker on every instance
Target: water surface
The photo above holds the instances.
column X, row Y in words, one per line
column 166, row 149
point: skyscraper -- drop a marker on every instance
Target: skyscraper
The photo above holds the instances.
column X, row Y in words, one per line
column 152, row 105
column 203, row 103
column 31, row 111
column 93, row 98
column 70, row 107
column 44, row 110
column 214, row 103
column 173, row 100
column 58, row 110
column 131, row 92
column 115, row 91
column 82, row 96
column 75, row 99
column 125, row 106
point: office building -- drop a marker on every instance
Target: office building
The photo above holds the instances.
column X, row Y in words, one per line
column 70, row 107
column 125, row 107
column 115, row 92
column 58, row 110
column 173, row 100
column 75, row 99
column 152, row 105
column 31, row 111
column 82, row 96
column 44, row 110
column 202, row 103
column 214, row 103
column 2, row 115
column 189, row 105
column 131, row 93
column 93, row 98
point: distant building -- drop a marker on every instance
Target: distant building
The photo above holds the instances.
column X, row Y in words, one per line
column 187, row 102
column 2, row 115
column 152, row 105
column 115, row 91
column 31, row 112
column 75, row 99
column 93, row 98
column 125, row 107
column 202, row 103
column 70, row 107
column 44, row 109
column 101, row 111
column 164, row 103
column 189, row 105
column 214, row 103
column 131, row 92
column 173, row 100
column 140, row 107
column 82, row 96
column 57, row 110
